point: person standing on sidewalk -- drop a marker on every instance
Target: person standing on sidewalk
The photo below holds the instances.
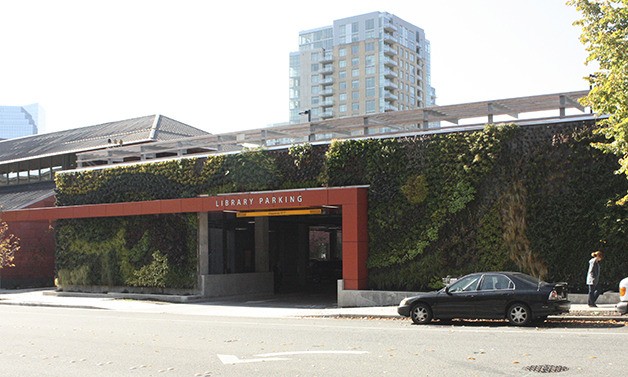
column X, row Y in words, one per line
column 593, row 277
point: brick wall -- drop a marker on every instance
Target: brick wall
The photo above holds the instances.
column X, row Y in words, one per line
column 35, row 261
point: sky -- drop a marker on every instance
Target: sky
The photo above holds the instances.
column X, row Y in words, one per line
column 222, row 66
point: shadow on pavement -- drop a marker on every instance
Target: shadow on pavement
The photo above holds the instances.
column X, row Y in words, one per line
column 302, row 300
column 552, row 323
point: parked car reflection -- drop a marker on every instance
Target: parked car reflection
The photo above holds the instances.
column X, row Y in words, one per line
column 517, row 297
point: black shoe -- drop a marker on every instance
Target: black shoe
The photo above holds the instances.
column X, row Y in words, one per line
column 592, row 306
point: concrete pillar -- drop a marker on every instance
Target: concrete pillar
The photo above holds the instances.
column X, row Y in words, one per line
column 203, row 246
column 563, row 104
column 355, row 242
column 303, row 251
column 262, row 253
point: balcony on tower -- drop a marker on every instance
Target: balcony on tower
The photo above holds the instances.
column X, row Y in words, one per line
column 389, row 51
column 389, row 26
column 390, row 62
column 390, row 85
column 390, row 74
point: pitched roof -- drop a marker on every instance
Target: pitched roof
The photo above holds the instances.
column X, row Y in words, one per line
column 130, row 131
column 21, row 196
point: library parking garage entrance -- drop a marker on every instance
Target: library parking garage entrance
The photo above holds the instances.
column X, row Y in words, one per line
column 302, row 247
column 276, row 242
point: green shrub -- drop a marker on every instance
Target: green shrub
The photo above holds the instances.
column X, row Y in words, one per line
column 153, row 274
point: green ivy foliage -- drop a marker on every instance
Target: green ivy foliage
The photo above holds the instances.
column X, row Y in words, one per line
column 145, row 251
column 537, row 199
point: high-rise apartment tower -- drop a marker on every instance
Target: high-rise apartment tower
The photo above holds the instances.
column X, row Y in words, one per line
column 365, row 64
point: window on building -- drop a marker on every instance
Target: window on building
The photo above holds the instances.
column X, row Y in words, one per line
column 342, row 52
column 342, row 96
column 370, row 92
column 369, row 60
column 355, row 62
column 342, row 108
column 370, row 106
column 355, row 106
column 355, row 49
column 342, row 85
column 342, row 74
column 315, row 67
column 355, row 84
column 370, row 70
column 369, row 24
column 355, row 72
column 315, row 89
column 342, row 63
column 355, row 95
column 369, row 46
column 316, row 79
column 316, row 56
column 355, row 27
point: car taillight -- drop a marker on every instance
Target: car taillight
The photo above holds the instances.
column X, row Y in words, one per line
column 554, row 295
column 622, row 291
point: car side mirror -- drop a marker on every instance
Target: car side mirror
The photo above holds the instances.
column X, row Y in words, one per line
column 447, row 290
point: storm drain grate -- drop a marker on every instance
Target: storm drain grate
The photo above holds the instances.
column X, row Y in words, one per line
column 546, row 368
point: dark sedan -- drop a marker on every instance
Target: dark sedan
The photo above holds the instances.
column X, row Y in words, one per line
column 517, row 297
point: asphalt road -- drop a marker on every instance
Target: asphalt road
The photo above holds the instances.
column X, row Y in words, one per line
column 44, row 341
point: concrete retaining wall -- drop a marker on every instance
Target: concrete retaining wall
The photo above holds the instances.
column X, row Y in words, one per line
column 354, row 298
column 102, row 289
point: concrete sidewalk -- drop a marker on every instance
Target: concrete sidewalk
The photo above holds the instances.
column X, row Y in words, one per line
column 268, row 307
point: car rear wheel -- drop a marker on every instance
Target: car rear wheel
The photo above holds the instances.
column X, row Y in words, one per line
column 421, row 314
column 519, row 314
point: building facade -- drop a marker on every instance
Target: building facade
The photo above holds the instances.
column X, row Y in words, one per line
column 247, row 222
column 366, row 64
column 18, row 121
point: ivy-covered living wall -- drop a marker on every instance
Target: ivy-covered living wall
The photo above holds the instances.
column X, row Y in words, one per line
column 537, row 199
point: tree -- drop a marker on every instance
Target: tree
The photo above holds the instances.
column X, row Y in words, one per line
column 9, row 245
column 605, row 34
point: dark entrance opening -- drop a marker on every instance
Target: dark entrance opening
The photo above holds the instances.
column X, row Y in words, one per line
column 306, row 252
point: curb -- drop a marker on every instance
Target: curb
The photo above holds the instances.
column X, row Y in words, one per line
column 47, row 305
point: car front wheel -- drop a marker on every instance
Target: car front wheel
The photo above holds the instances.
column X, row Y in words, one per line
column 519, row 314
column 421, row 314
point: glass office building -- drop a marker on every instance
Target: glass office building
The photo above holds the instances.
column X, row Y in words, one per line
column 18, row 121
column 360, row 65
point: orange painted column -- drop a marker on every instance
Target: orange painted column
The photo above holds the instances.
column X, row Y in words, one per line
column 355, row 239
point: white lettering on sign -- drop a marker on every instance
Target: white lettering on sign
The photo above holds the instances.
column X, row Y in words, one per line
column 262, row 200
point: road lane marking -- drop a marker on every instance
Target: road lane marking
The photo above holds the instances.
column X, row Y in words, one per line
column 312, row 353
column 233, row 359
column 263, row 357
